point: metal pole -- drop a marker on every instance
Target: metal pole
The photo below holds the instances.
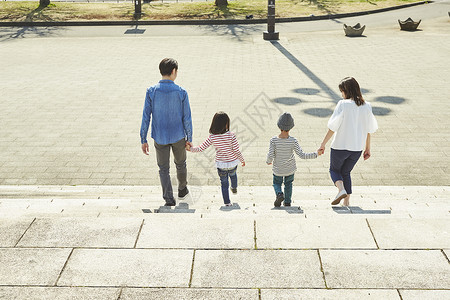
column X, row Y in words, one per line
column 137, row 9
column 271, row 34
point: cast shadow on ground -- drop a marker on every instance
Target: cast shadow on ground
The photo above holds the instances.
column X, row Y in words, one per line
column 318, row 112
column 234, row 206
column 306, row 91
column 380, row 111
column 322, row 85
column 290, row 209
column 356, row 37
column 181, row 208
column 359, row 210
column 390, row 99
column 288, row 100
column 14, row 33
column 134, row 30
column 237, row 31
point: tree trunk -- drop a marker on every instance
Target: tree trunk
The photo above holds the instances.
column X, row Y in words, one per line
column 44, row 3
column 221, row 3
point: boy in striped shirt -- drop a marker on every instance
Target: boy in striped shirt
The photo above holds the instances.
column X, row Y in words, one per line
column 281, row 154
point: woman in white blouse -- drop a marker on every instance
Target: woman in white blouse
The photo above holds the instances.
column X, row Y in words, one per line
column 353, row 122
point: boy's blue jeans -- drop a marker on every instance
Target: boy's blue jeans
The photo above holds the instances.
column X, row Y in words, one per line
column 278, row 180
column 223, row 174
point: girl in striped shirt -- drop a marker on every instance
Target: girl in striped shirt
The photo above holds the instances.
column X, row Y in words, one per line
column 228, row 154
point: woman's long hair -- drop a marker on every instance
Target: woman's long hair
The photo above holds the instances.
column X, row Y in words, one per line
column 220, row 123
column 351, row 90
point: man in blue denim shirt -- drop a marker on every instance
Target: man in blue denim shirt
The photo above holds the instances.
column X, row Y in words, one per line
column 171, row 128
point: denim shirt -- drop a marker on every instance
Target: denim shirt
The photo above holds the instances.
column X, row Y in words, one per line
column 169, row 105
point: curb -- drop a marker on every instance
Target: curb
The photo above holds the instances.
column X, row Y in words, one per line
column 207, row 22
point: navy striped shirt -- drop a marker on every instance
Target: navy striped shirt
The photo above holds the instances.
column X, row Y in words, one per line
column 281, row 154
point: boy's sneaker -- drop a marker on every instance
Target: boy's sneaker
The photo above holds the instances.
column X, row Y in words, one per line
column 183, row 193
column 228, row 204
column 234, row 190
column 170, row 203
column 287, row 204
column 280, row 198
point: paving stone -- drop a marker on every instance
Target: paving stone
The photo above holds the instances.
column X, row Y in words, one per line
column 385, row 269
column 447, row 253
column 313, row 233
column 411, row 233
column 12, row 230
column 249, row 269
column 327, row 294
column 82, row 232
column 197, row 233
column 295, row 76
column 234, row 206
column 422, row 294
column 191, row 293
column 31, row 266
column 60, row 293
column 128, row 267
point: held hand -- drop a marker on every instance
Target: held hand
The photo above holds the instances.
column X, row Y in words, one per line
column 321, row 150
column 243, row 163
column 189, row 145
column 145, row 148
column 366, row 154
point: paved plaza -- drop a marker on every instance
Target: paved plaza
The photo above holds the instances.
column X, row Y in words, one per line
column 80, row 214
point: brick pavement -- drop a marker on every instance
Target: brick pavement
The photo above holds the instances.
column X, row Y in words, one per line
column 70, row 106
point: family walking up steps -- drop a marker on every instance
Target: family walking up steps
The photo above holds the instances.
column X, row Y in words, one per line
column 351, row 124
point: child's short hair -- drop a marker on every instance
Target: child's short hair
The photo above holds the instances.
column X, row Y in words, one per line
column 351, row 90
column 220, row 123
column 167, row 65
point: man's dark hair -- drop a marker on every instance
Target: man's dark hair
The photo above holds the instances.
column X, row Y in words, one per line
column 167, row 65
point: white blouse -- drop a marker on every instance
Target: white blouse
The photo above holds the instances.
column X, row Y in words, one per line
column 351, row 124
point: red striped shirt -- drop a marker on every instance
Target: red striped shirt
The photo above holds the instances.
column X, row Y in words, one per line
column 226, row 144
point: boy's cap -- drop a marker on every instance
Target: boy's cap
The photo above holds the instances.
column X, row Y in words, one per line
column 285, row 122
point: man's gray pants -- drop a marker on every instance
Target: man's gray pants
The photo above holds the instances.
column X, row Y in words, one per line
column 163, row 160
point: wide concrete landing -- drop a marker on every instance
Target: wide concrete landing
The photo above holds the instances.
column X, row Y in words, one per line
column 100, row 242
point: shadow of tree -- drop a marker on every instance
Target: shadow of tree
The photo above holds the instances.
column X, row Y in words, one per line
column 236, row 31
column 319, row 82
column 37, row 12
column 390, row 99
column 13, row 33
column 287, row 100
column 230, row 12
column 318, row 112
column 321, row 6
column 306, row 91
column 380, row 111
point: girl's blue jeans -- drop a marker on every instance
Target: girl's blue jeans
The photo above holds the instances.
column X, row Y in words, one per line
column 341, row 164
column 278, row 180
column 224, row 174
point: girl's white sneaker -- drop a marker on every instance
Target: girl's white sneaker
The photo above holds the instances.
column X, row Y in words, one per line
column 341, row 195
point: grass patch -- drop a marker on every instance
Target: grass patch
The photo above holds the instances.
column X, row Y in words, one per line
column 157, row 10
